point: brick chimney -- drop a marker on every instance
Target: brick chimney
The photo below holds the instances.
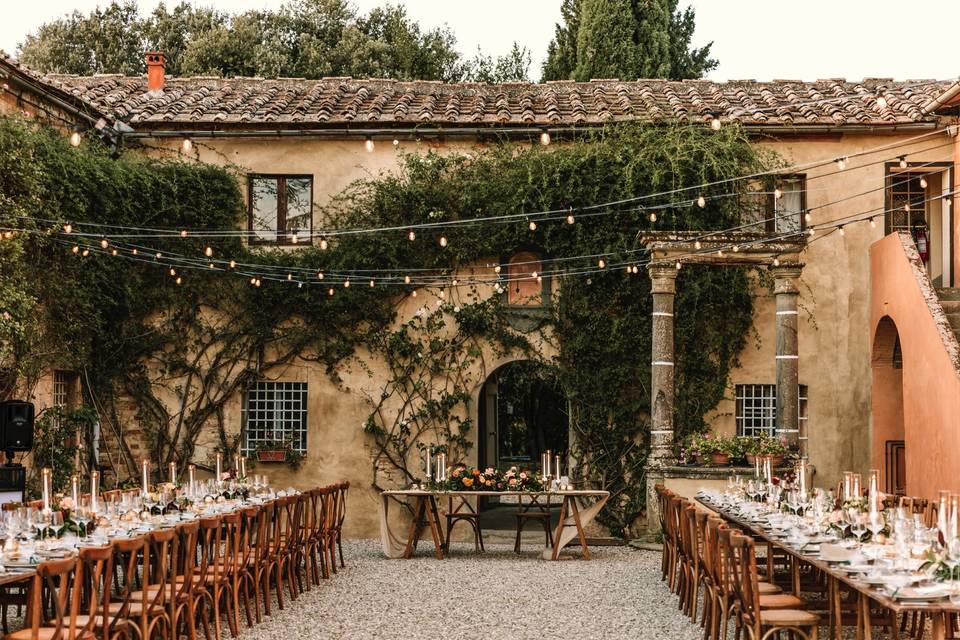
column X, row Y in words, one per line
column 155, row 71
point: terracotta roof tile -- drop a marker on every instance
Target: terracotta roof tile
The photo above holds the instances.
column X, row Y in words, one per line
column 208, row 101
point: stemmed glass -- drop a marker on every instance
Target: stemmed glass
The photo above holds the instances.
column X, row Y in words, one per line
column 875, row 524
column 57, row 524
column 752, row 490
column 952, row 556
column 83, row 516
column 857, row 525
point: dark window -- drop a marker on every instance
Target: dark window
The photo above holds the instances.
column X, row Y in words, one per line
column 756, row 411
column 275, row 411
column 524, row 285
column 787, row 212
column 281, row 209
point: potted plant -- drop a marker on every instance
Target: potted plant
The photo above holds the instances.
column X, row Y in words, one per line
column 278, row 450
column 765, row 446
column 722, row 451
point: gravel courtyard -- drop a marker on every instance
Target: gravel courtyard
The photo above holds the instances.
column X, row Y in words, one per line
column 617, row 594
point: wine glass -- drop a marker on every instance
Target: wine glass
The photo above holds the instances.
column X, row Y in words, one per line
column 57, row 524
column 952, row 556
column 857, row 524
column 875, row 524
column 83, row 516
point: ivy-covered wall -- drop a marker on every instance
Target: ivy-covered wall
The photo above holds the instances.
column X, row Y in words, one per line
column 179, row 354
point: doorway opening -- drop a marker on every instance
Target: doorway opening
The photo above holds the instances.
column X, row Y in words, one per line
column 889, row 443
column 522, row 414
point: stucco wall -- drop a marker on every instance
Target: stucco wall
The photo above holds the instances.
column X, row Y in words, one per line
column 835, row 313
column 930, row 374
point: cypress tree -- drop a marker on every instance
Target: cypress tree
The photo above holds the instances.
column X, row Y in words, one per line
column 625, row 39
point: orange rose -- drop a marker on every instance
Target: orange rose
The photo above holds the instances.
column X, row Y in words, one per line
column 476, row 472
column 468, row 482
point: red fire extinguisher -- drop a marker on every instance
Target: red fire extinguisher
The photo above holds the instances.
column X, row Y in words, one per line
column 920, row 238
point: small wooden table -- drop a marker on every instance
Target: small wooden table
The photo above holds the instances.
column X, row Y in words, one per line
column 426, row 515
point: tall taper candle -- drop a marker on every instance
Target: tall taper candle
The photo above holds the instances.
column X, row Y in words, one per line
column 952, row 523
column 556, row 471
column 45, row 477
column 173, row 472
column 236, row 465
column 94, row 490
column 190, row 470
column 429, row 469
column 243, row 467
column 756, row 467
column 549, row 454
column 219, row 462
column 146, row 475
column 75, row 490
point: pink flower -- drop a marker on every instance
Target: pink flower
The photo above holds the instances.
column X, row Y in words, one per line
column 512, row 482
column 66, row 504
column 523, row 475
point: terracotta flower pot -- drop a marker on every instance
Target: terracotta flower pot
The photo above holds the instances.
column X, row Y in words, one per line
column 699, row 459
column 751, row 459
column 776, row 461
column 274, row 455
column 720, row 459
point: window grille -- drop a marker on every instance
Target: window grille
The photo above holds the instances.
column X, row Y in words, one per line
column 756, row 412
column 275, row 411
column 906, row 206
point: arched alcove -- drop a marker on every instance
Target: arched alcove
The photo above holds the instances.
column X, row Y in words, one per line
column 889, row 453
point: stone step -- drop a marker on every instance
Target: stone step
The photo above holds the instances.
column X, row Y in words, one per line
column 951, row 293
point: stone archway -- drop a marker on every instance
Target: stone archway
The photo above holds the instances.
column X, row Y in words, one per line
column 887, row 424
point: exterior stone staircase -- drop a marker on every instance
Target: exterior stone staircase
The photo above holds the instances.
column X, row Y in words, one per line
column 950, row 301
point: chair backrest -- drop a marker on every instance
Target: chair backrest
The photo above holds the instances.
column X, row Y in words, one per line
column 743, row 580
column 229, row 548
column 251, row 535
column 129, row 555
column 209, row 542
column 342, row 504
column 188, row 534
column 162, row 569
column 711, row 548
column 94, row 576
column 54, row 586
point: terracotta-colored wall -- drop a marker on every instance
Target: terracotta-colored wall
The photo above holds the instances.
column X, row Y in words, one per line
column 901, row 291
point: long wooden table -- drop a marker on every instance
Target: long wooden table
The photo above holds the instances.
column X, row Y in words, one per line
column 937, row 611
column 426, row 515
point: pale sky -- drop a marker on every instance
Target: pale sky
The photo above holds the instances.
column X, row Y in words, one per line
column 758, row 39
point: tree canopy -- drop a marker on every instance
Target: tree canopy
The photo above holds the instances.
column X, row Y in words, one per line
column 626, row 39
column 303, row 38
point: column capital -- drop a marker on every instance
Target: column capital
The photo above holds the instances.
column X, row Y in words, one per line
column 785, row 276
column 663, row 278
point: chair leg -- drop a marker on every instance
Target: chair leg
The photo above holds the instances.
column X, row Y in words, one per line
column 340, row 548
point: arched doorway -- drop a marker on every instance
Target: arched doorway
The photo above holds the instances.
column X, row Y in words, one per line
column 889, row 452
column 522, row 413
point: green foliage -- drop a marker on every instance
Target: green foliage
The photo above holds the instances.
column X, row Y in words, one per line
column 182, row 352
column 625, row 39
column 54, row 443
column 303, row 38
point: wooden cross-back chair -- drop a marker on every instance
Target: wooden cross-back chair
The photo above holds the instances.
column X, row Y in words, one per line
column 58, row 620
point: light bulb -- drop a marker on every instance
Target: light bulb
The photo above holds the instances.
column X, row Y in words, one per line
column 412, row 235
column 810, row 232
column 545, row 138
column 158, row 255
column 776, row 262
column 873, row 223
column 636, row 269
column 602, row 264
column 368, row 144
column 210, row 265
column 319, row 275
column 720, row 252
column 678, row 265
column 903, row 162
column 183, row 233
column 736, row 248
column 533, row 225
column 294, row 238
column 701, row 202
column 841, row 163
column 906, row 207
column 414, row 293
column 104, row 243
column 346, row 284
column 85, row 253
column 68, row 228
column 253, row 281
column 777, row 193
column 372, row 284
column 134, row 252
column 173, row 271
column 289, row 277
column 571, row 219
column 406, row 279
column 330, row 291
column 208, row 251
column 299, row 285
column 715, row 124
column 113, row 253
column 842, row 231
column 443, row 294
column 396, row 142
column 75, row 139
column 324, row 244
column 453, row 283
column 497, row 269
column 807, row 216
column 76, row 249
column 179, row 280
column 539, row 279
column 697, row 245
column 233, row 264
column 653, row 217
column 923, row 183
column 187, row 145
column 443, row 241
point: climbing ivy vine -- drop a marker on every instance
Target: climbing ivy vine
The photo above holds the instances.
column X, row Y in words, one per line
column 179, row 353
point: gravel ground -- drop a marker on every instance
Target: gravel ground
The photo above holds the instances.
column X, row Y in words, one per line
column 495, row 595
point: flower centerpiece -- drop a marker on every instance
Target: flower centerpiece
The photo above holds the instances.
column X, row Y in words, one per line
column 464, row 478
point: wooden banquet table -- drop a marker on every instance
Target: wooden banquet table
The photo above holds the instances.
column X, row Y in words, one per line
column 865, row 593
column 573, row 518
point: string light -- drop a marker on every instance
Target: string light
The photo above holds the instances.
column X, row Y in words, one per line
column 841, row 230
column 294, row 238
column 636, row 269
column 736, row 248
column 210, row 265
column 68, row 228
column 715, row 124
column 183, row 233
column 330, row 291
column 873, row 223
column 414, row 293
column 443, row 241
column 173, row 271
column 180, row 279
column 208, row 251
column 368, row 143
column 396, row 142
column 570, row 218
column 903, row 162
column 653, row 217
column 720, row 252
column 319, row 275
column 324, row 244
column 701, row 202
column 76, row 249
column 842, row 163
column 678, row 265
column 497, row 269
column 777, row 193
column 134, row 252
column 454, row 282
column 372, row 284
column 75, row 139
column 187, row 145
column 532, row 225
column 602, row 264
column 346, row 284
column 545, row 138
column 233, row 264
column 534, row 275
column 923, row 183
column 412, row 235
column 257, row 283
column 289, row 277
column 776, row 262
column 697, row 245
column 406, row 279
column 807, row 216
column 159, row 255
column 85, row 253
column 104, row 244
column 113, row 252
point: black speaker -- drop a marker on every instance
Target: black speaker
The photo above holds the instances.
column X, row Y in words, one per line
column 16, row 425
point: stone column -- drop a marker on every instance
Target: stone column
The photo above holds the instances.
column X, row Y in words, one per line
column 788, row 358
column 663, row 280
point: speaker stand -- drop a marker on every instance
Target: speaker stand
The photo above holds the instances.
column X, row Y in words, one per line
column 10, row 463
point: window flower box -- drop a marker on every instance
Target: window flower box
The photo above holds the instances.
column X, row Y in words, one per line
column 271, row 455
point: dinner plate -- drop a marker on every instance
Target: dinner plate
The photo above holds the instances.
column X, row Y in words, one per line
column 922, row 594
